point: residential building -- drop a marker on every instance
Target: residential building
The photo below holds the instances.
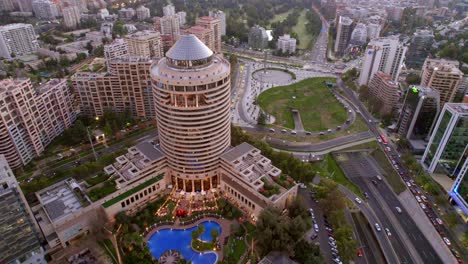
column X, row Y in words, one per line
column 131, row 28
column 146, row 43
column 170, row 29
column 71, row 16
column 25, row 5
column 373, row 31
column 169, row 10
column 143, row 13
column 258, row 38
column 204, row 34
column 125, row 86
column 127, row 13
column 117, row 49
column 447, row 147
column 419, row 113
column 286, row 44
column 6, row 5
column 17, row 39
column 44, row 9
column 359, row 35
column 385, row 55
column 20, row 241
column 32, row 117
column 443, row 76
column 222, row 18
column 344, row 28
column 419, row 48
column 213, row 24
column 385, row 91
column 106, row 29
column 182, row 17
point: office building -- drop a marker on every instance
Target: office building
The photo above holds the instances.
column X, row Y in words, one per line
column 20, row 238
column 143, row 13
column 286, row 44
column 344, row 28
column 204, row 34
column 385, row 55
column 385, row 91
column 17, row 39
column 443, row 76
column 169, row 10
column 447, row 147
column 146, row 43
column 419, row 48
column 420, row 110
column 6, row 5
column 222, row 18
column 170, row 29
column 214, row 25
column 258, row 38
column 182, row 17
column 32, row 117
column 71, row 16
column 125, row 86
column 44, row 9
column 459, row 190
column 359, row 35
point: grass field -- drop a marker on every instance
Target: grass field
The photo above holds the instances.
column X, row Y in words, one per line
column 392, row 176
column 318, row 107
column 280, row 17
column 305, row 38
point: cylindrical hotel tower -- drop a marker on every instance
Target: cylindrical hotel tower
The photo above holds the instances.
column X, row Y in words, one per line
column 191, row 88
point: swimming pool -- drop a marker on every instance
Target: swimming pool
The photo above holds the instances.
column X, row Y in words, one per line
column 179, row 239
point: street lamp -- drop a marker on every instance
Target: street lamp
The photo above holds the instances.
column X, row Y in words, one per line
column 91, row 141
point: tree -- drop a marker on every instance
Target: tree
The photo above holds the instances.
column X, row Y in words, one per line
column 214, row 234
column 89, row 47
column 195, row 234
column 201, row 229
column 261, row 119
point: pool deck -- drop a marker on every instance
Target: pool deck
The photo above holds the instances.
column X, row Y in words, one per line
column 225, row 230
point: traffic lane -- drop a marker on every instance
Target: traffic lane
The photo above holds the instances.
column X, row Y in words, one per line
column 322, row 234
column 369, row 245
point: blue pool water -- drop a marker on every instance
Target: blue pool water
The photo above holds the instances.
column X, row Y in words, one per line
column 179, row 239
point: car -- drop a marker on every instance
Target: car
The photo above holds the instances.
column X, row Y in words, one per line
column 314, row 236
column 331, row 239
column 374, row 182
column 359, row 252
column 329, row 130
column 439, row 221
column 337, row 261
column 398, row 209
column 283, row 131
column 408, row 184
column 377, row 227
column 332, row 244
column 293, row 132
column 316, row 229
column 334, row 250
column 308, row 133
column 271, row 130
column 418, row 199
column 424, row 198
column 358, row 200
column 321, row 133
column 379, row 140
column 388, row 232
column 447, row 241
column 433, row 221
column 423, row 206
column 366, row 195
column 378, row 177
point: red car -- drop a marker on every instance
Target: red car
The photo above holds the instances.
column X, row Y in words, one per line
column 359, row 253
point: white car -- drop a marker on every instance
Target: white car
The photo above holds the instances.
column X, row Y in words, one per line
column 377, row 227
column 358, row 200
column 439, row 221
column 388, row 232
column 447, row 241
column 423, row 206
column 398, row 209
column 408, row 184
column 418, row 199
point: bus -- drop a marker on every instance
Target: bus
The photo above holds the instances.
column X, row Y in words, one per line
column 384, row 139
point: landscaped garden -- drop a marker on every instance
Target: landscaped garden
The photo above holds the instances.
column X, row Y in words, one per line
column 318, row 108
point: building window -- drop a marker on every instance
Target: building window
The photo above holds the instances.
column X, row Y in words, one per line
column 122, row 204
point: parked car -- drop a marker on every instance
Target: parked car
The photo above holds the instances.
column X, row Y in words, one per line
column 439, row 221
column 447, row 241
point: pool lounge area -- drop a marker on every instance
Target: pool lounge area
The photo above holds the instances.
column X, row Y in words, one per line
column 179, row 239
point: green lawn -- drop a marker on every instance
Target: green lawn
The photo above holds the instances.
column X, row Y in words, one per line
column 280, row 17
column 390, row 174
column 305, row 38
column 318, row 107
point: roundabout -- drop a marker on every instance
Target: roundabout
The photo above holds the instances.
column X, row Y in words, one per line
column 274, row 75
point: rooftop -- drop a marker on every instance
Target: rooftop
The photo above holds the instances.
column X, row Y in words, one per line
column 189, row 48
column 461, row 108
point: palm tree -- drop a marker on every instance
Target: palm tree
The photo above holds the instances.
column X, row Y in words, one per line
column 194, row 234
column 214, row 234
column 201, row 229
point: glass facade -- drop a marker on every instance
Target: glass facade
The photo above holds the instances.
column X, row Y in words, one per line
column 456, row 145
column 439, row 134
column 459, row 190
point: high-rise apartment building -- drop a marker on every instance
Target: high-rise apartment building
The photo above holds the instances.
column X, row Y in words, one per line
column 20, row 239
column 385, row 55
column 17, row 39
column 418, row 115
column 143, row 13
column 116, row 49
column 344, row 28
column 419, row 48
column 32, row 117
column 214, row 24
column 258, row 38
column 44, row 9
column 222, row 18
column 386, row 91
column 443, row 76
column 204, row 34
column 169, row 10
column 146, row 43
column 193, row 110
column 447, row 148
column 125, row 86
column 286, row 44
column 182, row 17
column 71, row 16
column 169, row 26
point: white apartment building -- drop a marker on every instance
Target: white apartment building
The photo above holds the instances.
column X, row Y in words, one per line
column 182, row 17
column 385, row 55
column 169, row 10
column 143, row 13
column 71, row 16
column 32, row 117
column 222, row 17
column 117, row 49
column 146, row 43
column 44, row 9
column 18, row 39
column 286, row 44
